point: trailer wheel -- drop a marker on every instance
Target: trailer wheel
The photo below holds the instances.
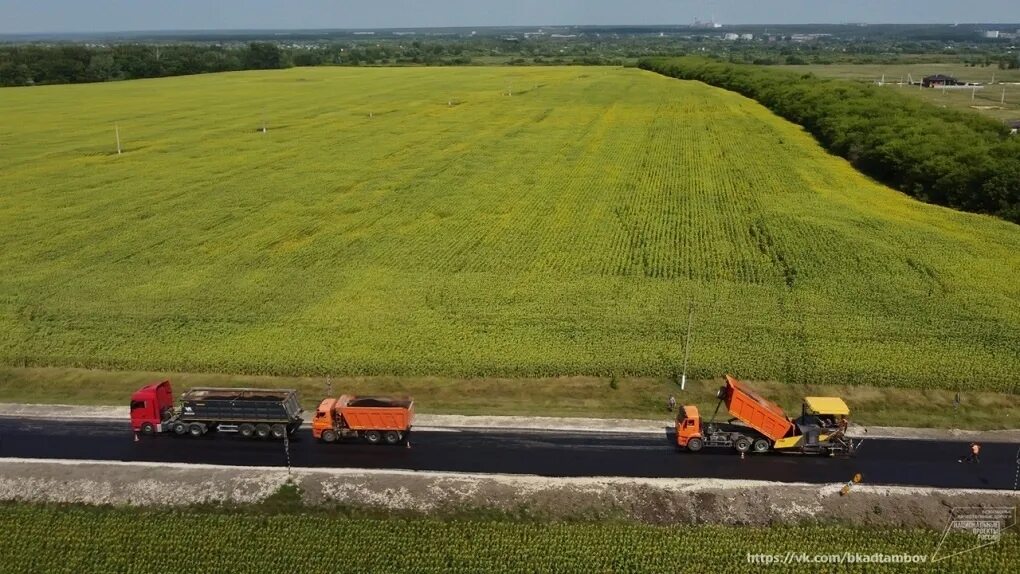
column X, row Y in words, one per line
column 742, row 444
column 329, row 435
column 761, row 445
column 391, row 437
column 148, row 429
column 695, row 444
column 196, row 430
column 279, row 431
column 247, row 430
column 180, row 429
column 373, row 437
column 262, row 430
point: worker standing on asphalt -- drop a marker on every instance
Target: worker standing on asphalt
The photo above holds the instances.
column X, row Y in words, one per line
column 975, row 453
column 671, row 403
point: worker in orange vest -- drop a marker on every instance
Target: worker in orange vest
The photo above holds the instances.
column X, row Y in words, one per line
column 975, row 453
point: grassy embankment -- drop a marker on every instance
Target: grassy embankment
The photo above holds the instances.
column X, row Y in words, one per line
column 639, row 398
column 39, row 538
column 419, row 221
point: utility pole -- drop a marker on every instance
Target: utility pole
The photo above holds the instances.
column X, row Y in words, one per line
column 1016, row 476
column 286, row 449
column 687, row 347
column 1002, row 100
column 116, row 131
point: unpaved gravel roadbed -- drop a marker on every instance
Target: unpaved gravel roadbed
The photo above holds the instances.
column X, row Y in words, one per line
column 655, row 501
column 424, row 421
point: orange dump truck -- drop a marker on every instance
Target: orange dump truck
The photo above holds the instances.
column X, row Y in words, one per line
column 759, row 425
column 376, row 420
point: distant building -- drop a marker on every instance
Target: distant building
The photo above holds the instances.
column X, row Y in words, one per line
column 1014, row 126
column 710, row 24
column 807, row 37
column 747, row 36
column 939, row 80
column 730, row 36
column 991, row 33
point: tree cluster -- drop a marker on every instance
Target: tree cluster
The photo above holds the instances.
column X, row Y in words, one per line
column 26, row 65
column 940, row 156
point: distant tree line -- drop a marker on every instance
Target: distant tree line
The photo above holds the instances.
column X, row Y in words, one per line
column 26, row 65
column 62, row 63
column 39, row 64
column 947, row 157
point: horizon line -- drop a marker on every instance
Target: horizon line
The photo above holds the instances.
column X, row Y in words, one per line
column 487, row 26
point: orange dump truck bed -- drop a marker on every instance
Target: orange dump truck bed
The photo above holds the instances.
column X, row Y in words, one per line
column 756, row 412
column 376, row 413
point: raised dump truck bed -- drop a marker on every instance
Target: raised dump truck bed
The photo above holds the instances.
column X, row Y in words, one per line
column 756, row 412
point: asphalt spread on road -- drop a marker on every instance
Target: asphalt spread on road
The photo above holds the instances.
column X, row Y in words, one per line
column 545, row 453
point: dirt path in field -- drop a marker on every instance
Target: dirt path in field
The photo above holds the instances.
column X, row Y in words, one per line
column 424, row 421
column 654, row 501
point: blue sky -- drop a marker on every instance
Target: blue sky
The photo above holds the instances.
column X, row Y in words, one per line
column 33, row 16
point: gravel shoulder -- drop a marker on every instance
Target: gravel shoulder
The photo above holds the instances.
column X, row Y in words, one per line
column 653, row 501
column 439, row 421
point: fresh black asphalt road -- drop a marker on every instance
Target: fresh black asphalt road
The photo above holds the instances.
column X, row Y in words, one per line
column 548, row 453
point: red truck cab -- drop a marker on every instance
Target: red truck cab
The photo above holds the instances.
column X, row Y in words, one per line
column 150, row 406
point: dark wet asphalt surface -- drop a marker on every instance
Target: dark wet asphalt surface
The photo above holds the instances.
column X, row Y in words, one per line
column 548, row 453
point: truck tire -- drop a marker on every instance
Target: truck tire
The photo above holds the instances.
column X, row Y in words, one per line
column 278, row 431
column 262, row 430
column 391, row 437
column 247, row 430
column 373, row 437
column 180, row 429
column 761, row 445
column 196, row 430
column 148, row 429
column 695, row 444
column 742, row 444
column 329, row 435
